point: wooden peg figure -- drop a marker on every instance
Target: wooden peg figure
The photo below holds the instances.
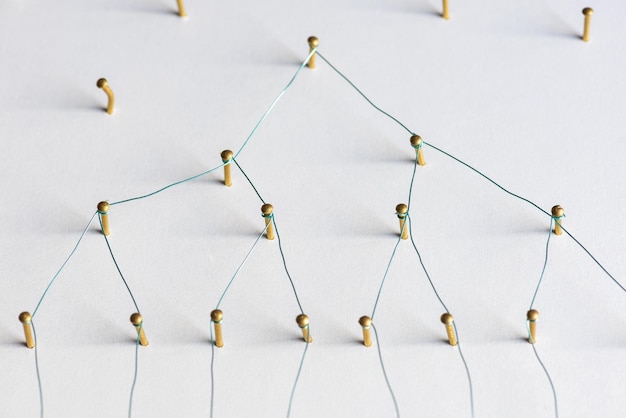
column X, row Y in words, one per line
column 227, row 155
column 137, row 320
column 587, row 11
column 557, row 214
column 445, row 14
column 103, row 211
column 181, row 9
column 417, row 143
column 267, row 210
column 25, row 319
column 303, row 322
column 104, row 85
column 402, row 212
column 313, row 43
column 532, row 317
column 366, row 323
column 216, row 318
column 448, row 321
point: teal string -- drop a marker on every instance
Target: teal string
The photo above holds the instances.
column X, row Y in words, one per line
column 132, row 388
column 256, row 127
column 382, row 283
column 119, row 270
column 212, row 373
column 56, row 275
column 32, row 324
column 298, row 373
column 282, row 256
column 249, row 181
column 545, row 370
column 473, row 169
column 467, row 371
column 382, row 367
column 543, row 270
column 219, row 302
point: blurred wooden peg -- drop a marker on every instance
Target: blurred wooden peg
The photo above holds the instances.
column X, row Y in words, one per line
column 417, row 143
column 402, row 212
column 103, row 84
column 267, row 210
column 25, row 319
column 227, row 155
column 137, row 320
column 558, row 214
column 366, row 323
column 216, row 318
column 181, row 9
column 448, row 321
column 587, row 11
column 303, row 322
column 313, row 43
column 532, row 317
column 103, row 211
column 445, row 14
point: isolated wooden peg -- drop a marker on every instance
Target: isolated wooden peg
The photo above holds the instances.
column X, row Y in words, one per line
column 448, row 321
column 587, row 11
column 216, row 318
column 267, row 210
column 103, row 211
column 181, row 9
column 313, row 43
column 303, row 322
column 104, row 85
column 402, row 211
column 137, row 320
column 25, row 319
column 227, row 155
column 532, row 317
column 557, row 214
column 366, row 323
column 417, row 143
column 445, row 14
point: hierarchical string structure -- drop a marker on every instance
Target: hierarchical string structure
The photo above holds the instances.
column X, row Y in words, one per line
column 219, row 319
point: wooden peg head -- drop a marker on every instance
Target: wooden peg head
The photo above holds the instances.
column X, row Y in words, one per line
column 416, row 141
column 136, row 319
column 401, row 210
column 447, row 319
column 557, row 211
column 532, row 315
column 103, row 207
column 313, row 42
column 216, row 316
column 267, row 209
column 587, row 11
column 226, row 155
column 302, row 320
column 365, row 321
column 102, row 83
column 25, row 318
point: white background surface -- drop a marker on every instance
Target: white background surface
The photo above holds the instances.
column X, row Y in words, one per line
column 509, row 88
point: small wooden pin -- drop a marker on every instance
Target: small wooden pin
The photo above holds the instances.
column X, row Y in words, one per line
column 445, row 13
column 104, row 85
column 103, row 211
column 267, row 210
column 227, row 155
column 303, row 322
column 181, row 9
column 216, row 318
column 417, row 143
column 137, row 320
column 557, row 214
column 313, row 43
column 532, row 317
column 366, row 323
column 25, row 319
column 587, row 11
column 448, row 321
column 402, row 211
